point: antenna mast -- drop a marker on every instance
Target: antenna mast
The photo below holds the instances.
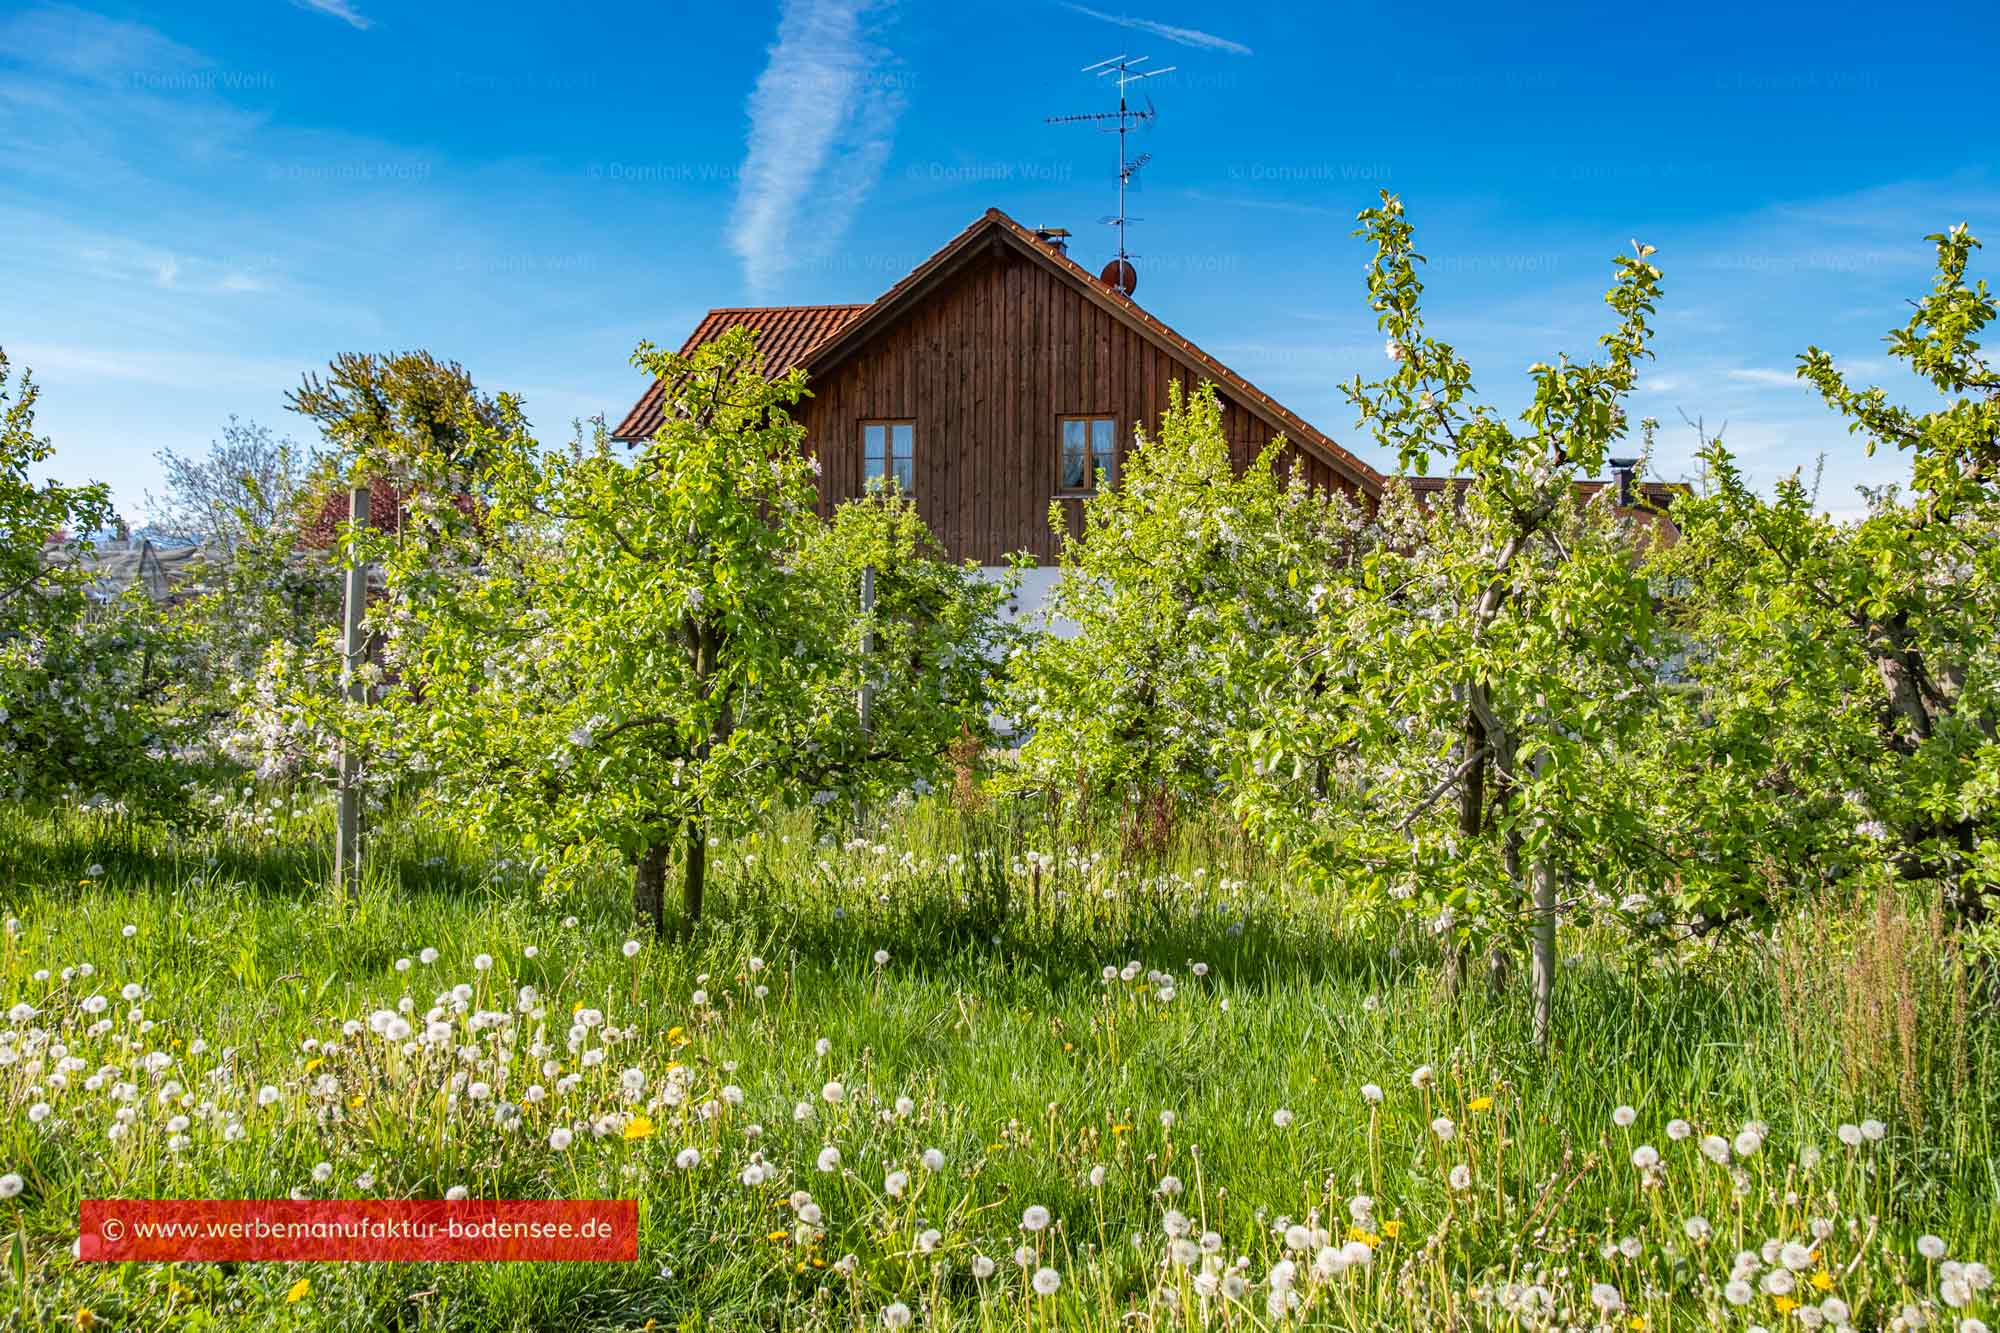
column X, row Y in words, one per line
column 1122, row 121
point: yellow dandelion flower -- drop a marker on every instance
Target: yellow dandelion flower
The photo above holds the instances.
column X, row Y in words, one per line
column 298, row 1291
column 638, row 1127
column 85, row 1317
column 315, row 1063
column 357, row 1100
column 1393, row 1228
column 1823, row 1280
column 1367, row 1238
column 776, row 1235
column 1480, row 1104
column 1638, row 1321
column 1785, row 1304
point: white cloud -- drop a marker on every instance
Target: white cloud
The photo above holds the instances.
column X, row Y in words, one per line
column 81, row 44
column 95, row 363
column 339, row 9
column 1269, row 205
column 1776, row 379
column 821, row 124
column 1195, row 37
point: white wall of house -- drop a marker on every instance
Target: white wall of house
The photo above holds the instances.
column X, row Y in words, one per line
column 1031, row 597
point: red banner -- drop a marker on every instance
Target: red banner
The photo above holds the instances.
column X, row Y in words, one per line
column 359, row 1230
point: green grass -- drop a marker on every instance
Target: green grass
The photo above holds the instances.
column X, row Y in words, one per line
column 1021, row 1064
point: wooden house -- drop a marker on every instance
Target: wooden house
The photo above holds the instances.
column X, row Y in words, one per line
column 996, row 378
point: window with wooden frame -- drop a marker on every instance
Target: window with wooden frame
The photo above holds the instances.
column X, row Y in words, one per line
column 1089, row 447
column 889, row 449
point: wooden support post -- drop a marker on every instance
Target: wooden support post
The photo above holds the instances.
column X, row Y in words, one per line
column 347, row 834
column 864, row 702
column 1543, row 937
column 867, row 700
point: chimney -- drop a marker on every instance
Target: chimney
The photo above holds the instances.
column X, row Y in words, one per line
column 1056, row 238
column 1622, row 469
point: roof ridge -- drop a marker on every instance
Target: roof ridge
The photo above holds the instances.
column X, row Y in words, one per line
column 800, row 305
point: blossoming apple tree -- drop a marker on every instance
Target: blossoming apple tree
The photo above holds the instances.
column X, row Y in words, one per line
column 1847, row 673
column 1482, row 671
column 637, row 655
column 1183, row 567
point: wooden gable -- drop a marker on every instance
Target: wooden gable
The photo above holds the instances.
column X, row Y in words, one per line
column 986, row 365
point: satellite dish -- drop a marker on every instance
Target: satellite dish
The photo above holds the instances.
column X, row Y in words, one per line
column 1120, row 277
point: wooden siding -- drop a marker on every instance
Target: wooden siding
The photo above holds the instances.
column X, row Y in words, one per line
column 987, row 365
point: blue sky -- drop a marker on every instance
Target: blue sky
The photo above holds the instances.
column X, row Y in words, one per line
column 197, row 203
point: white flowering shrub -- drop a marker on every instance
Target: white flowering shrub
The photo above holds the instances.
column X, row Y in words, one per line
column 89, row 691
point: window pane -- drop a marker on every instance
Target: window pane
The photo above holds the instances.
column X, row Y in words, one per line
column 905, row 475
column 1075, row 475
column 1104, row 447
column 873, row 438
column 901, row 439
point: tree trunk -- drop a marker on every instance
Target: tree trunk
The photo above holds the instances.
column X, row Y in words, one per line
column 649, row 887
column 1471, row 819
column 1472, row 789
column 1457, row 962
column 1912, row 697
column 694, row 872
column 1500, row 958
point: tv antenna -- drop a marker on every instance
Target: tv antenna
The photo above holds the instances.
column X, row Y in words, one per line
column 1119, row 273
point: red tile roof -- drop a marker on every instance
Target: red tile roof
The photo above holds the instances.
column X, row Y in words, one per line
column 785, row 334
column 388, row 511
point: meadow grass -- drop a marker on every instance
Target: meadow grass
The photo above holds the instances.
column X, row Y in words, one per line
column 1195, row 1126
